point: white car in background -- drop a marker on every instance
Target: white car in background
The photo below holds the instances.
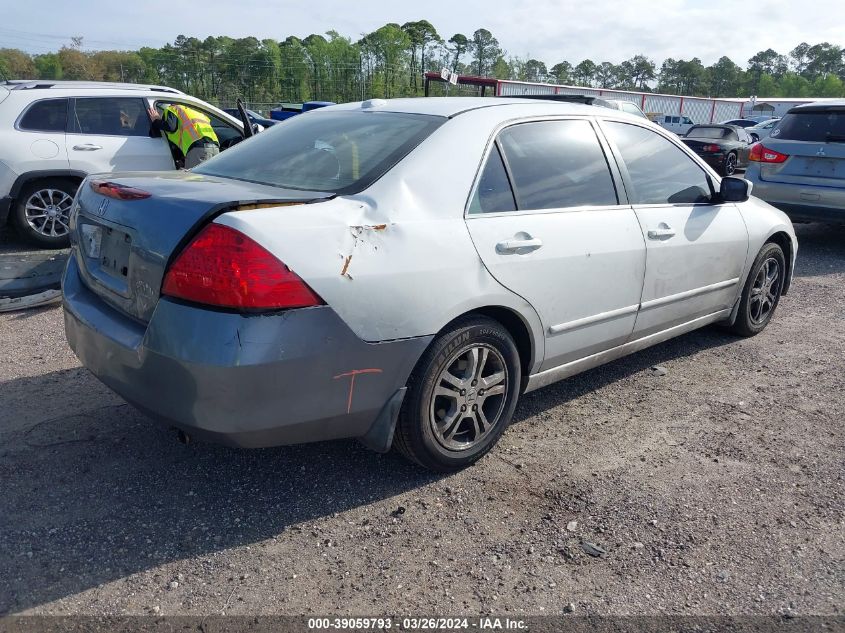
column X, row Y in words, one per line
column 761, row 130
column 54, row 133
column 403, row 271
column 679, row 124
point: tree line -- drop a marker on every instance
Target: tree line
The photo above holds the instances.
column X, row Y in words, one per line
column 390, row 61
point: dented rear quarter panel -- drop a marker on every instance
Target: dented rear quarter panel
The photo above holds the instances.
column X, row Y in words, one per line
column 397, row 261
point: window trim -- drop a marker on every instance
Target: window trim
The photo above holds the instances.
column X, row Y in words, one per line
column 71, row 119
column 31, row 104
column 713, row 180
column 493, row 142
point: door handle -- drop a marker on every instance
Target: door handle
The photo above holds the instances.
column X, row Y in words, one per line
column 524, row 245
column 662, row 232
column 87, row 147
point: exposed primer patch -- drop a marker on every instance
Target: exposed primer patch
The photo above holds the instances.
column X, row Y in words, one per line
column 264, row 205
column 359, row 233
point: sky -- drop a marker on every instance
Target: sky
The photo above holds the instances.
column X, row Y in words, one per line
column 548, row 30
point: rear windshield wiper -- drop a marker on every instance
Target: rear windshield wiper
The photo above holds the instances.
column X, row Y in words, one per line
column 834, row 138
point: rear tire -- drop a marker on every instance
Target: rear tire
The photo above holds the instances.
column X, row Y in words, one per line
column 461, row 395
column 42, row 212
column 762, row 291
column 729, row 168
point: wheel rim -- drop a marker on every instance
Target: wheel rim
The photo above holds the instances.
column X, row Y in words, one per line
column 765, row 291
column 48, row 212
column 730, row 164
column 469, row 397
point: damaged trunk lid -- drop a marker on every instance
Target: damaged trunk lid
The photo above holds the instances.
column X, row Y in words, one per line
column 123, row 247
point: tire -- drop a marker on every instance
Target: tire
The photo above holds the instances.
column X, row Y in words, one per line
column 432, row 429
column 53, row 196
column 729, row 168
column 755, row 313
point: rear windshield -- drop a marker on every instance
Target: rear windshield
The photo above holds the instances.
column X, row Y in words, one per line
column 708, row 132
column 338, row 152
column 818, row 126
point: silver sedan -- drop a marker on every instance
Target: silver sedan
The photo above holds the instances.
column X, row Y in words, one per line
column 403, row 271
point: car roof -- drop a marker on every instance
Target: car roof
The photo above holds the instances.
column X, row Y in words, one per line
column 52, row 84
column 820, row 106
column 453, row 106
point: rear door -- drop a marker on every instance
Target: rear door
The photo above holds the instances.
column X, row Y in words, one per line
column 696, row 248
column 43, row 122
column 560, row 237
column 107, row 134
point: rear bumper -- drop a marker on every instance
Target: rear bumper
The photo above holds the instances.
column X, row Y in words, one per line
column 800, row 202
column 716, row 161
column 250, row 381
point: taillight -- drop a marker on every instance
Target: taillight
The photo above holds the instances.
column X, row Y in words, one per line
column 223, row 267
column 762, row 154
column 711, row 148
column 118, row 191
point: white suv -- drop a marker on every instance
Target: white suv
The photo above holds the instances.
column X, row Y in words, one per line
column 54, row 133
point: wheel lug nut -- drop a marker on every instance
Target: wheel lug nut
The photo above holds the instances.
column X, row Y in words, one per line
column 463, row 392
column 463, row 407
column 481, row 392
column 474, row 382
column 475, row 407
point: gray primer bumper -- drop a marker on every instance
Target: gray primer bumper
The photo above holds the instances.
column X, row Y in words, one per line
column 245, row 380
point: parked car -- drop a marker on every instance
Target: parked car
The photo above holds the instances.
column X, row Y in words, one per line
column 54, row 133
column 800, row 167
column 626, row 106
column 678, row 124
column 762, row 129
column 743, row 123
column 254, row 117
column 723, row 147
column 313, row 284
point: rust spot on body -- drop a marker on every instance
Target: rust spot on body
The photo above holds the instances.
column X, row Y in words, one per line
column 345, row 268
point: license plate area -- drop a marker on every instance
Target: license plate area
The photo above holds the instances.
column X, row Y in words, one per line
column 821, row 167
column 107, row 253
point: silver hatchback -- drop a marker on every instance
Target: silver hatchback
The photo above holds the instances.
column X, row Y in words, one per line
column 800, row 168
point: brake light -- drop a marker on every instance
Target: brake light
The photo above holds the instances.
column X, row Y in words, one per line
column 762, row 154
column 223, row 267
column 118, row 191
column 711, row 148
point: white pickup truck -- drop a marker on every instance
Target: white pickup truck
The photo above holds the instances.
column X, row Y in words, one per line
column 679, row 124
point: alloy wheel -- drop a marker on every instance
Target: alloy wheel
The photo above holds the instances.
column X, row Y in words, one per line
column 765, row 291
column 730, row 164
column 469, row 397
column 48, row 212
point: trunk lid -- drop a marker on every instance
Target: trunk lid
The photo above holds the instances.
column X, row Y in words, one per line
column 809, row 163
column 123, row 247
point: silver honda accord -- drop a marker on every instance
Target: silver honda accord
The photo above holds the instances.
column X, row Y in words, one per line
column 403, row 271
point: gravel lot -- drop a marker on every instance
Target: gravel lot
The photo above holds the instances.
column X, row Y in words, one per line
column 716, row 488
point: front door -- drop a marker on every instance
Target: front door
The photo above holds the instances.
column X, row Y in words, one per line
column 559, row 237
column 108, row 134
column 696, row 247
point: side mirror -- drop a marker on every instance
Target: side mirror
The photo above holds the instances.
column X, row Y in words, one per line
column 734, row 189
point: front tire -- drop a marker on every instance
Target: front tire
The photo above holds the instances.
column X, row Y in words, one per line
column 461, row 395
column 42, row 212
column 762, row 291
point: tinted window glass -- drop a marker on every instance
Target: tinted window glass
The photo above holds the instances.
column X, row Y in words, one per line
column 46, row 116
column 557, row 164
column 339, row 152
column 708, row 132
column 660, row 172
column 818, row 126
column 115, row 116
column 494, row 191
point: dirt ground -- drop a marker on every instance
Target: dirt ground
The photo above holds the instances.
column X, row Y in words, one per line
column 716, row 488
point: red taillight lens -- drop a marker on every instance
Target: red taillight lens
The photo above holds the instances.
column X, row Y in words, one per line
column 223, row 267
column 118, row 191
column 711, row 148
column 762, row 154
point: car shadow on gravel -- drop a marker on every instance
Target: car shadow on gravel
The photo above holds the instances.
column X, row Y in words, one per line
column 663, row 353
column 826, row 243
column 93, row 496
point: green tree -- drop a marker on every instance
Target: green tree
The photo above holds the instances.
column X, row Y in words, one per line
column 585, row 72
column 460, row 45
column 485, row 50
column 562, row 72
column 16, row 64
